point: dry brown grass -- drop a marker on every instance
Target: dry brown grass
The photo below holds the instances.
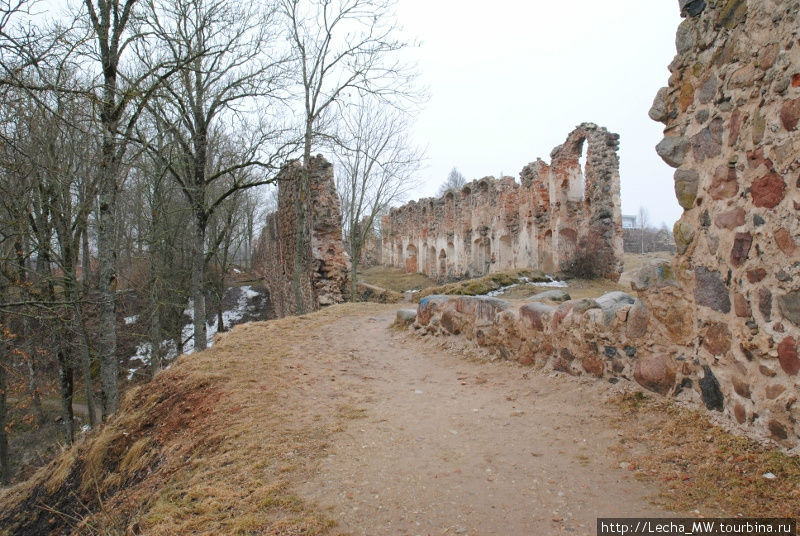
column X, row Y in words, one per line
column 701, row 466
column 482, row 285
column 211, row 446
column 395, row 279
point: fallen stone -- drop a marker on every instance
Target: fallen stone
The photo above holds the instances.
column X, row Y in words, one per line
column 556, row 295
column 406, row 317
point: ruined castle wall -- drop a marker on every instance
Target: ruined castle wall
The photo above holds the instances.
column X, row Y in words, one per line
column 324, row 281
column 731, row 112
column 493, row 225
column 720, row 325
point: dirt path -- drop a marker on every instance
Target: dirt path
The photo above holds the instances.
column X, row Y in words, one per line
column 439, row 444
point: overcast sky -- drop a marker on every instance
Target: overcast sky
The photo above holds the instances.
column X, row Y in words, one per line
column 509, row 80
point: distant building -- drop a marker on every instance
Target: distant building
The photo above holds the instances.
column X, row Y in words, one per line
column 628, row 222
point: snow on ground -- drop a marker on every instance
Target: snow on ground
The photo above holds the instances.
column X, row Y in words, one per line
column 168, row 347
column 131, row 319
column 526, row 281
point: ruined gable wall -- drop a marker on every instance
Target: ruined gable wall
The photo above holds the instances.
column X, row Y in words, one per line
column 495, row 225
column 325, row 280
column 731, row 113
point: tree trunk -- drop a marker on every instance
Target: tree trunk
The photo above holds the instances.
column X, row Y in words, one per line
column 66, row 384
column 155, row 337
column 198, row 280
column 33, row 388
column 86, row 363
column 5, row 462
column 107, row 337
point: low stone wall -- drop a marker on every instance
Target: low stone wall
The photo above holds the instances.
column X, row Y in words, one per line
column 324, row 279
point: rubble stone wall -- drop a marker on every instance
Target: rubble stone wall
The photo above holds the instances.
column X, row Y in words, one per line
column 721, row 324
column 731, row 112
column 325, row 279
column 492, row 225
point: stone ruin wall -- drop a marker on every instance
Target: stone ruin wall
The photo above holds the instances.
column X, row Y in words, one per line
column 495, row 225
column 720, row 325
column 325, row 279
column 731, row 113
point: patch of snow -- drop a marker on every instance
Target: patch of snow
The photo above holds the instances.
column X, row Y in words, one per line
column 236, row 270
column 131, row 319
column 170, row 349
column 551, row 283
column 501, row 290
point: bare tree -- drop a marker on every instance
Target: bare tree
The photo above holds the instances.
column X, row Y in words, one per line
column 339, row 47
column 454, row 182
column 376, row 167
column 223, row 48
column 643, row 218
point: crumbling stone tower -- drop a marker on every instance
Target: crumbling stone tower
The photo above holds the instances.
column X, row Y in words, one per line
column 325, row 280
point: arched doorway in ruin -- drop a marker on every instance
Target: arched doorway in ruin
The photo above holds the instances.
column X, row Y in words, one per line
column 430, row 262
column 567, row 246
column 546, row 253
column 481, row 256
column 399, row 259
column 505, row 253
column 411, row 258
column 442, row 263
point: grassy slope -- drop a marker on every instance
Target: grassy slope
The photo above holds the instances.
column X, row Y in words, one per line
column 209, row 447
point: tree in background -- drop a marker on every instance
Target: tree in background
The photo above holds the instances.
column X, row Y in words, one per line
column 376, row 168
column 225, row 50
column 454, row 182
column 341, row 49
column 643, row 218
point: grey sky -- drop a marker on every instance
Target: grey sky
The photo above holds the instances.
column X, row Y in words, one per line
column 510, row 79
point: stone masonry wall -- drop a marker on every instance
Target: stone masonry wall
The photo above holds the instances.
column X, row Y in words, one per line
column 492, row 225
column 325, row 281
column 731, row 112
column 720, row 325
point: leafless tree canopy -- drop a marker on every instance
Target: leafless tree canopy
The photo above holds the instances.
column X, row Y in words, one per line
column 138, row 140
